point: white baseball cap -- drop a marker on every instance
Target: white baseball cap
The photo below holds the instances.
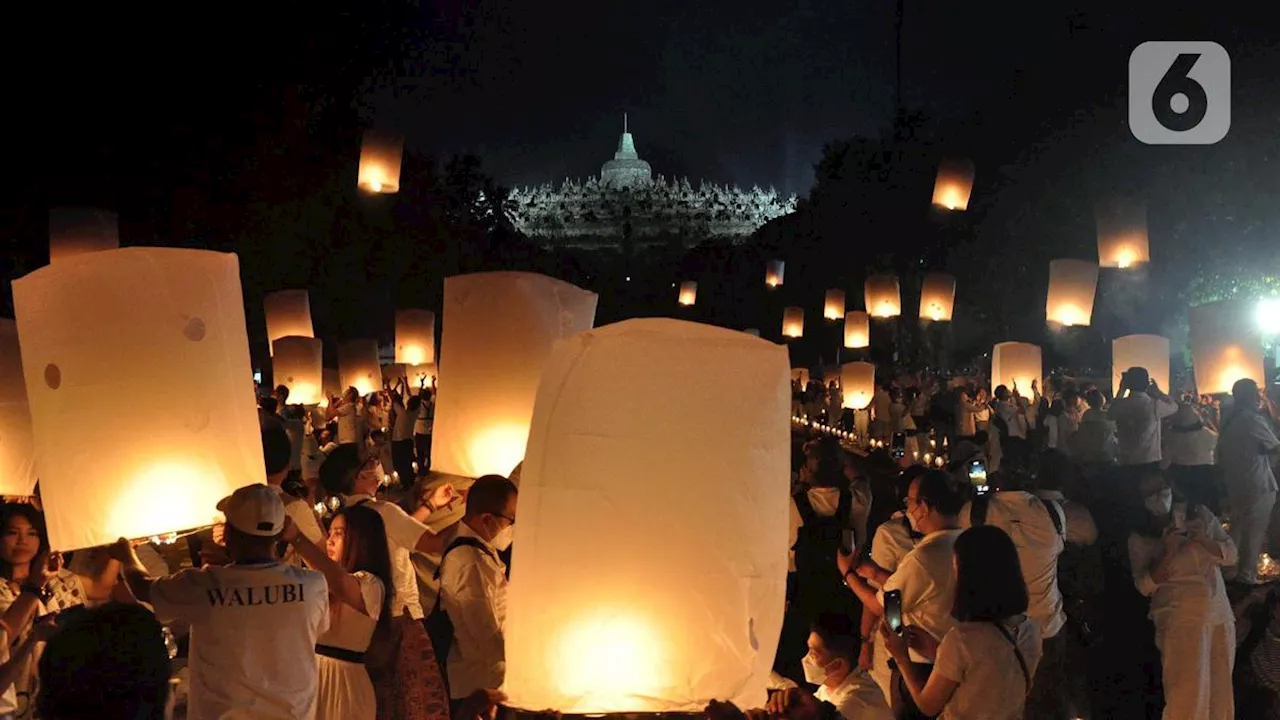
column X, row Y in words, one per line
column 254, row 510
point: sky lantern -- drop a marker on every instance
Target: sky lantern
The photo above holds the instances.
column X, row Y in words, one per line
column 102, row 329
column 1225, row 346
column 1072, row 284
column 801, row 374
column 773, row 273
column 288, row 315
column 833, row 305
column 415, row 336
column 857, row 329
column 1122, row 234
column 858, row 384
column 498, row 331
column 296, row 363
column 937, row 297
column 651, row 622
column 688, row 292
column 793, row 322
column 380, row 156
column 73, row 231
column 1147, row 351
column 17, row 445
column 1016, row 364
column 358, row 366
column 882, row 296
column 954, row 184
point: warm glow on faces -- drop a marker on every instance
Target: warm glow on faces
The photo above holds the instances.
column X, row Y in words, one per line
column 20, row 542
column 336, row 545
column 609, row 657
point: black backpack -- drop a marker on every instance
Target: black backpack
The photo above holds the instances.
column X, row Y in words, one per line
column 439, row 626
column 817, row 541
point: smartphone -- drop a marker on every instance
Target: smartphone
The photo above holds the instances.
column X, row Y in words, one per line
column 978, row 473
column 898, row 445
column 847, row 542
column 893, row 610
column 1180, row 518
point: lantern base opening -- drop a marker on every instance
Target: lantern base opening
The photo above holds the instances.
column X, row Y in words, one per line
column 520, row 714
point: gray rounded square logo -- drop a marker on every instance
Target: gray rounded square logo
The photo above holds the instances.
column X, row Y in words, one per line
column 1179, row 92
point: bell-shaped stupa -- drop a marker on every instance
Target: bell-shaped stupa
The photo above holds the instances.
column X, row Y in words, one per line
column 626, row 168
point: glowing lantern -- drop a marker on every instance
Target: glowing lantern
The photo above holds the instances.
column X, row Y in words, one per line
column 288, row 315
column 801, row 374
column 773, row 273
column 1122, row 234
column 937, row 297
column 1225, row 346
column 954, row 184
column 793, row 322
column 296, row 364
column 380, row 156
column 1147, row 351
column 833, row 305
column 17, row 446
column 883, row 298
column 73, row 231
column 1015, row 364
column 331, row 382
column 421, row 375
column 498, row 332
column 358, row 366
column 858, row 381
column 393, row 372
column 415, row 336
column 688, row 292
column 106, row 326
column 651, row 622
column 1072, row 284
column 857, row 329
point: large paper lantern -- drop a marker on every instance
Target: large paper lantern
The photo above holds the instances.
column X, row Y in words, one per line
column 793, row 322
column 17, row 446
column 883, row 298
column 937, row 297
column 392, row 373
column 288, row 315
column 331, row 382
column 651, row 622
column 498, row 331
column 296, row 363
column 415, row 336
column 1016, row 364
column 858, row 384
column 1072, row 284
column 101, row 329
column 73, row 231
column 358, row 366
column 1225, row 346
column 833, row 305
column 954, row 184
column 801, row 374
column 688, row 292
column 380, row 156
column 1122, row 234
column 773, row 273
column 857, row 329
column 1147, row 351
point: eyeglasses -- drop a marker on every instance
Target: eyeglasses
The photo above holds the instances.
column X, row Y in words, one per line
column 508, row 519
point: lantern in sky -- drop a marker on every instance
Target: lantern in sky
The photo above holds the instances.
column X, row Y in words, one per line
column 793, row 322
column 773, row 272
column 415, row 336
column 1147, row 351
column 651, row 622
column 954, row 184
column 358, row 366
column 288, row 315
column 857, row 329
column 102, row 329
column 380, row 156
column 1122, row 234
column 73, row 231
column 1225, row 346
column 1072, row 284
column 296, row 363
column 801, row 374
column 688, row 292
column 858, row 383
column 937, row 297
column 1016, row 364
column 498, row 332
column 17, row 446
column 883, row 298
column 833, row 305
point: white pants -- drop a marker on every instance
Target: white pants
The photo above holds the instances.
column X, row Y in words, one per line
column 880, row 671
column 1250, row 517
column 1198, row 660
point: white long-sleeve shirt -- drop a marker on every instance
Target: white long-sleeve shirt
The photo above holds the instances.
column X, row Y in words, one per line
column 1194, row 592
column 1137, row 418
column 473, row 591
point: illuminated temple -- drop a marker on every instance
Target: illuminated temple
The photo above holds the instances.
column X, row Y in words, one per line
column 626, row 205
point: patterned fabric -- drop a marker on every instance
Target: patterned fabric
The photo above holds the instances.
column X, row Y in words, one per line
column 68, row 591
column 413, row 688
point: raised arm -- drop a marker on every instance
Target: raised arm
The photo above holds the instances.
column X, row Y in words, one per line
column 342, row 584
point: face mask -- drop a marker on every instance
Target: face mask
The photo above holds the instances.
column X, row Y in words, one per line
column 814, row 673
column 502, row 540
column 911, row 520
column 1160, row 503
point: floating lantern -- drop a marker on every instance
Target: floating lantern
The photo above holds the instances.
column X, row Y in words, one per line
column 937, row 297
column 17, row 446
column 161, row 323
column 793, row 322
column 1225, row 346
column 651, row 622
column 857, row 329
column 288, row 315
column 380, row 156
column 498, row 332
column 296, row 363
column 801, row 374
column 420, row 375
column 415, row 336
column 773, row 273
column 1072, row 284
column 1122, row 234
column 858, row 380
column 688, row 292
column 1015, row 364
column 954, row 184
column 833, row 305
column 883, row 299
column 1146, row 351
column 358, row 366
column 74, row 231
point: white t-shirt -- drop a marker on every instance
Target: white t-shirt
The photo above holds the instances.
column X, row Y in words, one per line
column 348, row 430
column 295, row 430
column 1244, row 446
column 979, row 657
column 892, row 542
column 403, row 534
column 403, row 428
column 303, row 516
column 422, row 424
column 927, row 579
column 857, row 698
column 1137, row 418
column 253, row 637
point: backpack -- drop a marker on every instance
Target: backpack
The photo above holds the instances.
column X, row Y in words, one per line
column 439, row 626
column 818, row 539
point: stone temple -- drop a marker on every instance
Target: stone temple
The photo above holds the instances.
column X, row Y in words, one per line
column 625, row 206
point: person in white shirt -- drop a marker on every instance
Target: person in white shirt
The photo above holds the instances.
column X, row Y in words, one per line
column 1138, row 413
column 346, row 411
column 402, row 422
column 1093, row 444
column 1247, row 447
column 423, row 405
column 967, row 410
column 832, row 664
column 1188, row 456
column 276, row 452
column 881, row 412
column 1009, row 415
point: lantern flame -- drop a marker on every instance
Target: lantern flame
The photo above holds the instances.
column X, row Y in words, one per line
column 413, row 355
column 1125, row 258
column 609, row 658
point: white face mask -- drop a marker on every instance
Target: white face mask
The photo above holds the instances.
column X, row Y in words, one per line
column 814, row 673
column 1160, row 503
column 502, row 540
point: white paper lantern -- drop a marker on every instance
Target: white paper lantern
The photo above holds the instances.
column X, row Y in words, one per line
column 1016, row 364
column 99, row 331
column 954, row 184
column 688, row 292
column 801, row 374
column 1147, row 351
column 857, row 329
column 296, row 363
column 651, row 621
column 858, row 384
column 793, row 322
column 331, row 381
column 392, row 373
column 415, row 336
column 17, row 445
column 380, row 155
column 1072, row 284
column 1225, row 346
column 73, row 231
column 358, row 366
column 1122, row 234
column 937, row 297
column 883, row 297
column 833, row 305
column 497, row 334
column 288, row 314
column 773, row 273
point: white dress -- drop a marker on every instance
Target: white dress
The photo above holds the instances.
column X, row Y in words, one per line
column 344, row 691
